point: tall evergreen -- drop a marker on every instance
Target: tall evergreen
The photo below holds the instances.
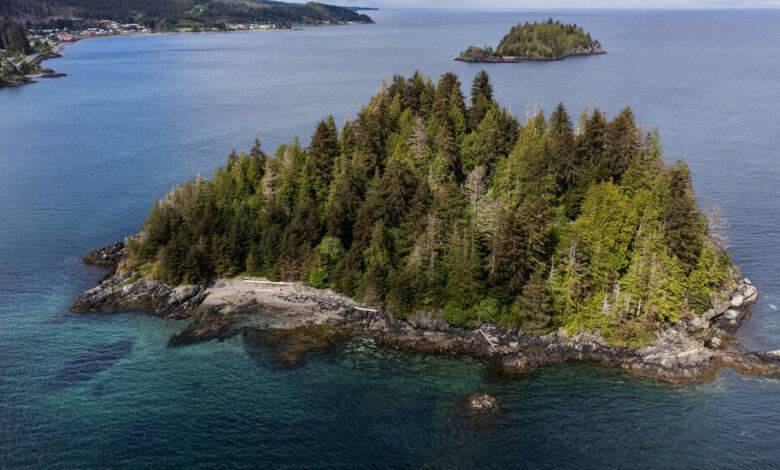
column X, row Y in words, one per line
column 322, row 153
column 682, row 218
column 481, row 98
column 622, row 143
column 562, row 149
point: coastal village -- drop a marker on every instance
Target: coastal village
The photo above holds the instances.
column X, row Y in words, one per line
column 112, row 28
column 105, row 28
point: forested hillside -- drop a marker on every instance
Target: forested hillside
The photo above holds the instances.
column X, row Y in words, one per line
column 160, row 14
column 12, row 36
column 426, row 201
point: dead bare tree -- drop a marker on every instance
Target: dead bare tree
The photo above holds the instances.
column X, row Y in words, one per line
column 476, row 186
column 418, row 141
column 718, row 226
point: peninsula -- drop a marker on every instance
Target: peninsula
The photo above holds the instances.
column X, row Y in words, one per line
column 440, row 226
column 19, row 61
column 538, row 41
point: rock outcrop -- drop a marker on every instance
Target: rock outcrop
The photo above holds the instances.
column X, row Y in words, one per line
column 479, row 55
column 109, row 256
column 130, row 291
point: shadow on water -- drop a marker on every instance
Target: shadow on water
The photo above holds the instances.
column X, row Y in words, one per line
column 89, row 364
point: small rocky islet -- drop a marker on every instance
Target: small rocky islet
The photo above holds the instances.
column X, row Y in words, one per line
column 550, row 40
column 296, row 321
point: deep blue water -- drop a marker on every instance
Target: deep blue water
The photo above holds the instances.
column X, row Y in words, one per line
column 82, row 159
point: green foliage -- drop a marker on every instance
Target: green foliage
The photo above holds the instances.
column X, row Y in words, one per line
column 458, row 315
column 684, row 221
column 536, row 41
column 488, row 310
column 414, row 207
column 629, row 334
column 710, row 272
column 605, row 227
column 318, row 278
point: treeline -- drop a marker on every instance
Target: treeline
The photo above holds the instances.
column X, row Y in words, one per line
column 165, row 14
column 537, row 41
column 12, row 36
column 427, row 202
column 548, row 39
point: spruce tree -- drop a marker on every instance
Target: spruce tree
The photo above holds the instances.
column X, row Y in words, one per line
column 322, row 153
column 481, row 98
column 622, row 143
column 682, row 219
column 563, row 150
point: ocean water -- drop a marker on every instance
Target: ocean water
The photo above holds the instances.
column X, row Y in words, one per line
column 82, row 159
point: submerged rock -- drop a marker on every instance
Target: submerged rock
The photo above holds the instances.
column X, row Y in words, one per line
column 482, row 401
column 291, row 347
column 755, row 363
column 92, row 362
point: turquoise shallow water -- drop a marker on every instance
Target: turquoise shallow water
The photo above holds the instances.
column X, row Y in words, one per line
column 82, row 158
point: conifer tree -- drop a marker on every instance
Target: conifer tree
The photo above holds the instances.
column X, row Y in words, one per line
column 378, row 265
column 622, row 143
column 463, row 267
column 534, row 307
column 344, row 200
column 592, row 141
column 397, row 190
column 322, row 153
column 682, row 219
column 347, row 140
column 481, row 99
column 563, row 150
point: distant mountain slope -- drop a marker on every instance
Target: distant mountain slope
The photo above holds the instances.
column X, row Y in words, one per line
column 160, row 13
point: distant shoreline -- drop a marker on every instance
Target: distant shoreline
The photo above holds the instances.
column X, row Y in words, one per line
column 38, row 58
column 62, row 44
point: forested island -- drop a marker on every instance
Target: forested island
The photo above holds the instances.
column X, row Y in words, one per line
column 538, row 41
column 171, row 15
column 458, row 229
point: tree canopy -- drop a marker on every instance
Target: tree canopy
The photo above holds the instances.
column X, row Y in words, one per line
column 427, row 203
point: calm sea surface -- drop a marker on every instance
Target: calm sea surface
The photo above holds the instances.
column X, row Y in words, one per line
column 82, row 159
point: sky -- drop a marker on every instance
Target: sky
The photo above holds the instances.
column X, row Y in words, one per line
column 572, row 4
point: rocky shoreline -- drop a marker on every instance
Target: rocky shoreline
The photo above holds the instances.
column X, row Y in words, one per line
column 592, row 50
column 20, row 78
column 297, row 320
